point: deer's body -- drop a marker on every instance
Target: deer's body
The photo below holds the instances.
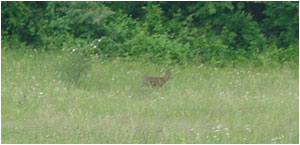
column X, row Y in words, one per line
column 157, row 81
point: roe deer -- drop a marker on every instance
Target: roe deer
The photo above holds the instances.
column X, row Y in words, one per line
column 157, row 81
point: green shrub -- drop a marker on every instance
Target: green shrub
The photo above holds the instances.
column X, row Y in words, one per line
column 283, row 54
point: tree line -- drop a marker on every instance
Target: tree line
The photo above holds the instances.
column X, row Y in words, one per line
column 162, row 32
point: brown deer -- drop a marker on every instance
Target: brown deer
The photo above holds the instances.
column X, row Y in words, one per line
column 157, row 81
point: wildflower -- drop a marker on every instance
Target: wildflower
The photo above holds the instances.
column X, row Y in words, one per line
column 273, row 139
column 248, row 129
column 95, row 46
column 99, row 40
column 221, row 93
column 219, row 126
column 227, row 133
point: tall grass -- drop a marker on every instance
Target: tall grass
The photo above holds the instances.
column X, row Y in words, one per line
column 57, row 98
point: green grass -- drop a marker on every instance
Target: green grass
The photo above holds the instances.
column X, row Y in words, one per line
column 54, row 98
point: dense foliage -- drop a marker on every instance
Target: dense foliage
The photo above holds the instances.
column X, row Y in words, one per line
column 219, row 33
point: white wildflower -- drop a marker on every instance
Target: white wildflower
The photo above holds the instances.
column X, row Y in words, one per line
column 219, row 126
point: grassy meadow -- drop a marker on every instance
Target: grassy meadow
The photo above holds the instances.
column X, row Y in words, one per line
column 50, row 97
